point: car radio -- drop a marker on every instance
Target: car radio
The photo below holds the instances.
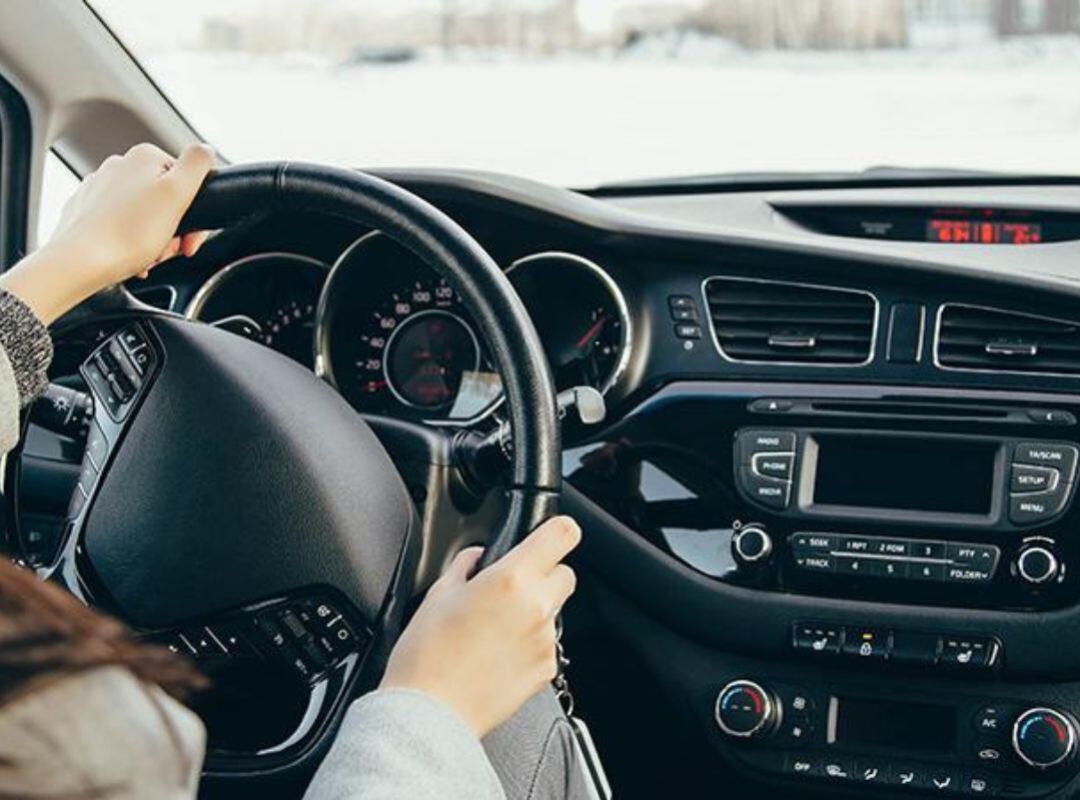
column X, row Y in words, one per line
column 904, row 514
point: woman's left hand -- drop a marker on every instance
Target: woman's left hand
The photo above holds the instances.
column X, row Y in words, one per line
column 119, row 223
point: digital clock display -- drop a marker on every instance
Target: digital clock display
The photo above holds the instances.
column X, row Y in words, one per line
column 975, row 231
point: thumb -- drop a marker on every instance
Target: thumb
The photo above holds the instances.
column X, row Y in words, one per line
column 463, row 566
column 190, row 170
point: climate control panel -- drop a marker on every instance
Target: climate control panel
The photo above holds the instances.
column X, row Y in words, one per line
column 946, row 745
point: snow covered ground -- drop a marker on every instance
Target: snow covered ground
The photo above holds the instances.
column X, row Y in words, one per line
column 579, row 120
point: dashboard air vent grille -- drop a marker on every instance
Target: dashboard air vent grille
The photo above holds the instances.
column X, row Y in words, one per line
column 971, row 337
column 771, row 321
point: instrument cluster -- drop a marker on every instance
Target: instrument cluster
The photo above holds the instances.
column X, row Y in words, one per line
column 394, row 337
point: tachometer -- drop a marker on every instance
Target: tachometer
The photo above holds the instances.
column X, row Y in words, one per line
column 270, row 298
column 395, row 338
column 580, row 314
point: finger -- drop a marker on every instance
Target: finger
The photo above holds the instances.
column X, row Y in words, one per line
column 190, row 170
column 546, row 546
column 559, row 586
column 191, row 242
column 463, row 565
column 151, row 153
column 171, row 249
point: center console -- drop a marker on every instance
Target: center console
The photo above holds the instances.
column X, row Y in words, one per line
column 903, row 564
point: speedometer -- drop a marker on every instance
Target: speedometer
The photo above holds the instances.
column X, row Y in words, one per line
column 395, row 338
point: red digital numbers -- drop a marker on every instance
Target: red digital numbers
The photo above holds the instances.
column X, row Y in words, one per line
column 966, row 231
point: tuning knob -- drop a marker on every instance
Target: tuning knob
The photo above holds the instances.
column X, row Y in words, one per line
column 1044, row 738
column 751, row 544
column 744, row 710
column 1037, row 564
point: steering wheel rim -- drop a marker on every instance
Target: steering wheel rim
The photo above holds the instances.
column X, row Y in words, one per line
column 103, row 550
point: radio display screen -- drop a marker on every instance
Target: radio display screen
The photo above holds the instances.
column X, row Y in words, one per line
column 905, row 474
column 914, row 727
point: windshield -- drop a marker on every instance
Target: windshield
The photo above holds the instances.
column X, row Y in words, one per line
column 585, row 92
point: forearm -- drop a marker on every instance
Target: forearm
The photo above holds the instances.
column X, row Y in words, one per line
column 398, row 744
column 52, row 280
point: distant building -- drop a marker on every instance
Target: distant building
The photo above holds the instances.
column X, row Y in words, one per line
column 1031, row 17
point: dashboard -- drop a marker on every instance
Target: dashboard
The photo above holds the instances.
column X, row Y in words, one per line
column 831, row 513
column 395, row 339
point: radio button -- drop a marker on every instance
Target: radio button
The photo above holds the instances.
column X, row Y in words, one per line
column 983, row 556
column 960, row 574
column 853, row 565
column 773, row 465
column 813, row 542
column 816, row 563
column 854, row 544
column 750, row 442
column 1026, row 478
column 769, row 492
column 1025, row 509
column 894, row 569
column 891, row 547
column 927, row 549
column 926, row 572
column 1048, row 454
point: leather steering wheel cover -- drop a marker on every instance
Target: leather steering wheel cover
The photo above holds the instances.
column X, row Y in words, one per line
column 234, row 193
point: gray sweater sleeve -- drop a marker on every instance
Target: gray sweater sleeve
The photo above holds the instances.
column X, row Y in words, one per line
column 396, row 744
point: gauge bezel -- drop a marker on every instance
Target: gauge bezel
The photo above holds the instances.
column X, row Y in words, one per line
column 622, row 308
column 213, row 283
column 394, row 333
column 324, row 313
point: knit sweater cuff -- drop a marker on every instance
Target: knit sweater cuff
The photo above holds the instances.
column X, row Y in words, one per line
column 27, row 344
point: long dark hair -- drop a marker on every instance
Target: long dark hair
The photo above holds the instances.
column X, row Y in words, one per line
column 46, row 634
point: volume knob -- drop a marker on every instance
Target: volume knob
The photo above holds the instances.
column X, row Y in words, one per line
column 744, row 709
column 1044, row 738
column 751, row 544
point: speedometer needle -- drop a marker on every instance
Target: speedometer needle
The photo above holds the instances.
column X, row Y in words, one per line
column 591, row 333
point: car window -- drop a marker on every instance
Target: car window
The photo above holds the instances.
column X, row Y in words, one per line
column 58, row 183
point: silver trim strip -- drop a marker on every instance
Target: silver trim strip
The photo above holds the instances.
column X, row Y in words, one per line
column 831, row 364
column 205, row 292
column 937, row 341
column 621, row 306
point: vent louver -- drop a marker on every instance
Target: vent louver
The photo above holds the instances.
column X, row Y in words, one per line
column 972, row 337
column 772, row 321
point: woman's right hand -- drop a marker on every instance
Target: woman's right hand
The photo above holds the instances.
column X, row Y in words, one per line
column 485, row 644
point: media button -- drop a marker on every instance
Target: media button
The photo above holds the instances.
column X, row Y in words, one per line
column 773, row 465
column 926, row 572
column 816, row 563
column 1047, row 454
column 813, row 542
column 891, row 547
column 1025, row 509
column 1026, row 478
column 927, row 549
column 769, row 492
column 894, row 569
column 750, row 442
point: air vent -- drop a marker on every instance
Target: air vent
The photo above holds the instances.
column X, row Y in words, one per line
column 971, row 337
column 774, row 322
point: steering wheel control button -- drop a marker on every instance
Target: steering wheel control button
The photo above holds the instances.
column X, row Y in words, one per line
column 752, row 544
column 1037, row 565
column 744, row 709
column 811, row 637
column 1044, row 738
column 116, row 371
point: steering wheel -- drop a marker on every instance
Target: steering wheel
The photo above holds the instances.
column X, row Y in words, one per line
column 234, row 507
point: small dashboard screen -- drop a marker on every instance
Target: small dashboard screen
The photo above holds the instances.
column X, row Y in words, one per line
column 907, row 474
column 912, row 727
column 974, row 231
